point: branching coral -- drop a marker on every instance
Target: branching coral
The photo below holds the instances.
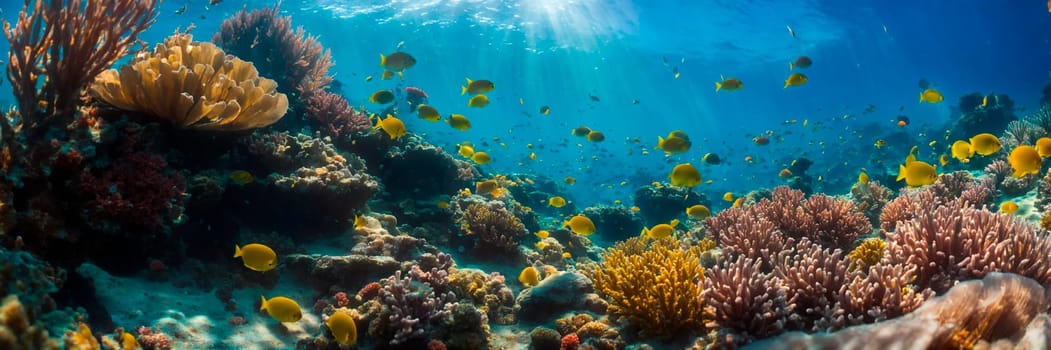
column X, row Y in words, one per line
column 296, row 59
column 814, row 278
column 957, row 188
column 883, row 292
column 741, row 233
column 193, row 85
column 17, row 330
column 655, row 289
column 68, row 43
column 742, row 300
column 868, row 253
column 951, row 243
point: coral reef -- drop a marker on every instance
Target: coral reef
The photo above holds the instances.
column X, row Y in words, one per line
column 973, row 121
column 999, row 308
column 869, row 198
column 1021, row 132
column 32, row 279
column 332, row 115
column 742, row 302
column 267, row 39
column 347, row 272
column 652, row 284
column 543, row 338
column 957, row 188
column 661, row 204
column 487, row 290
column 138, row 192
column 953, row 243
column 616, row 223
column 18, row 329
column 492, row 226
column 193, row 85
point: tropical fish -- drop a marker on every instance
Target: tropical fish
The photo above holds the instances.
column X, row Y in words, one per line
column 917, row 173
column 581, row 131
column 282, row 309
column 459, row 122
column 382, row 97
column 1008, row 207
column 529, row 276
column 711, row 158
column 545, row 110
column 256, row 256
column 428, row 113
column 556, row 202
column 801, row 62
column 343, row 328
column 1025, row 160
column 863, row 178
column 661, row 230
column 569, row 180
column 729, row 84
column 685, row 175
column 480, row 158
column 728, row 196
column 698, row 212
column 478, row 101
column 392, row 126
column 795, row 79
column 985, row 144
column 241, row 177
column 1043, row 146
column 673, row 144
column 930, row 96
column 397, row 61
column 580, row 225
column 465, row 149
column 477, row 87
column 961, row 150
column 596, row 136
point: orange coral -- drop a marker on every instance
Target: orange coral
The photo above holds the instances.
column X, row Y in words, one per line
column 652, row 284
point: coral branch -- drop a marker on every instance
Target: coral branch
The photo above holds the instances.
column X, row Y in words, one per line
column 68, row 43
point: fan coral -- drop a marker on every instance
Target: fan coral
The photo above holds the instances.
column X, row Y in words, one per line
column 1021, row 132
column 193, row 85
column 655, row 289
column 951, row 243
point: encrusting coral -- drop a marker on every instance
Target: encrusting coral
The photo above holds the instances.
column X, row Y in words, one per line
column 653, row 285
column 193, row 85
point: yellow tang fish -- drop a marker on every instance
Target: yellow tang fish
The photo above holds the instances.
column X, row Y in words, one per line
column 917, row 173
column 459, row 122
column 392, row 126
column 931, row 96
column 481, row 158
column 580, row 225
column 529, row 276
column 282, row 309
column 1025, row 160
column 343, row 328
column 685, row 175
column 382, row 97
column 478, row 101
column 257, row 257
column 428, row 113
column 556, row 202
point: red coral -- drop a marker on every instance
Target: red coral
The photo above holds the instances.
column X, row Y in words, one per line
column 138, row 190
column 341, row 299
column 570, row 342
column 369, row 291
column 153, row 340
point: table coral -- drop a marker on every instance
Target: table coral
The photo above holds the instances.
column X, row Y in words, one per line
column 654, row 288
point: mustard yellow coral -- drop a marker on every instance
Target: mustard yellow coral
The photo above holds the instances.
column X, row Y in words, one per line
column 868, row 253
column 653, row 284
column 193, row 85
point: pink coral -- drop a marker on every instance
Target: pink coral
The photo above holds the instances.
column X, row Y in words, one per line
column 741, row 299
column 332, row 114
column 151, row 339
column 342, row 300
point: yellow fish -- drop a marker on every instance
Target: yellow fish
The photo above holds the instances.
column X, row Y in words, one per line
column 1008, row 207
column 387, row 75
column 795, row 79
column 459, row 122
column 481, row 158
column 730, row 84
column 728, row 196
column 698, row 212
column 542, row 234
column 1025, row 160
column 443, row 204
column 685, row 175
column 428, row 113
column 397, row 61
column 569, row 180
column 465, row 149
column 661, row 230
column 863, row 178
column 985, row 144
column 382, row 97
column 917, row 173
column 595, row 136
column 241, row 177
column 931, row 96
column 282, row 309
column 962, row 150
column 257, row 257
column 556, row 202
column 394, row 127
column 343, row 328
column 529, row 276
column 580, row 225
column 1043, row 147
column 478, row 101
column 673, row 145
column 359, row 222
column 477, row 87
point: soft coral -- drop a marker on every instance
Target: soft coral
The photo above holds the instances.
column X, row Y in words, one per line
column 138, row 191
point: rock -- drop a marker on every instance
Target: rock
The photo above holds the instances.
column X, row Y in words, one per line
column 554, row 296
column 350, row 272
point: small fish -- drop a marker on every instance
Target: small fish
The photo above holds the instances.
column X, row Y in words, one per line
column 459, row 122
column 795, row 79
column 257, row 257
column 594, row 98
column 801, row 62
column 790, row 31
column 214, row 2
column 387, row 75
column 931, row 96
column 368, row 78
column 545, row 110
column 478, row 101
column 182, row 9
column 634, row 102
column 476, row 87
column 397, row 61
column 382, row 97
column 281, row 308
column 730, row 84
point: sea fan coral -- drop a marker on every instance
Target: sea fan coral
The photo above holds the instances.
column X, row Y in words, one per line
column 951, row 243
column 654, row 289
column 193, row 85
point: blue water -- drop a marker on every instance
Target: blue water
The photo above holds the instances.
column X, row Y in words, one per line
column 558, row 53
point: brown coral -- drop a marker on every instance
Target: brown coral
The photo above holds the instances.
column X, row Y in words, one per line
column 193, row 85
column 655, row 289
